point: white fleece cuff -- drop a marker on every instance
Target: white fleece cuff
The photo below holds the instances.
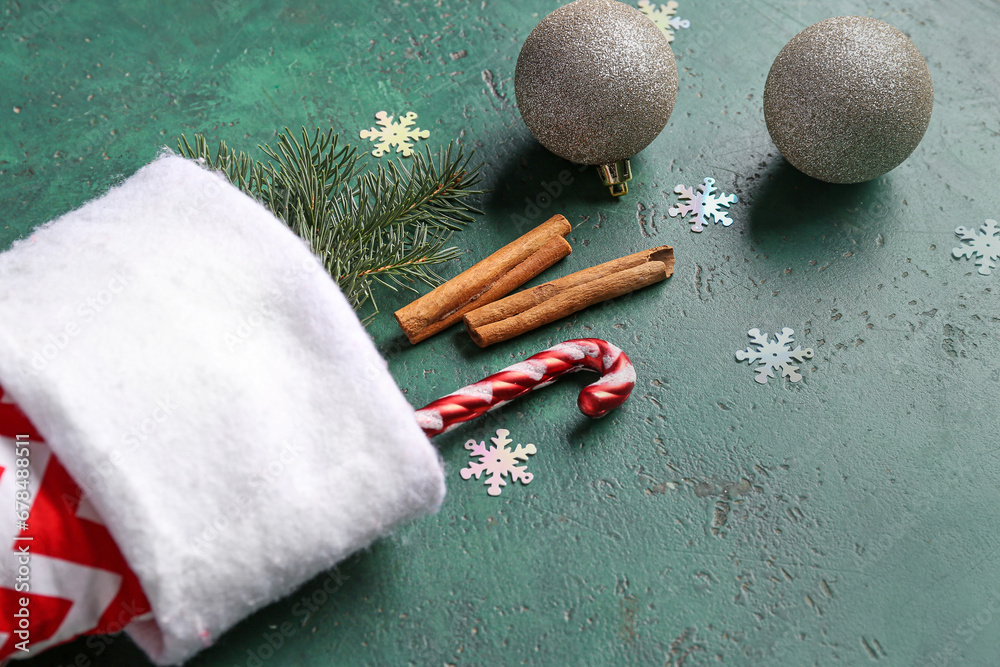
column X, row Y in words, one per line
column 203, row 379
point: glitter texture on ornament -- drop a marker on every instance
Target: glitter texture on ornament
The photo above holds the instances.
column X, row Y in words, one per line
column 663, row 17
column 498, row 462
column 985, row 246
column 595, row 83
column 774, row 355
column 702, row 202
column 399, row 134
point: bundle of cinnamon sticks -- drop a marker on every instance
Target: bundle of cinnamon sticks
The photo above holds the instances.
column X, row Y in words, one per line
column 494, row 277
column 476, row 295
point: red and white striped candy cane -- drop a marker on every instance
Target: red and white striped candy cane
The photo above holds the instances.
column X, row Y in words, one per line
column 540, row 370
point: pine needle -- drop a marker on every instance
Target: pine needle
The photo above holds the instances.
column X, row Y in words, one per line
column 389, row 225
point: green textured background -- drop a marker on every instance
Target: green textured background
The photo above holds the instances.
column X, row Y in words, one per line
column 844, row 520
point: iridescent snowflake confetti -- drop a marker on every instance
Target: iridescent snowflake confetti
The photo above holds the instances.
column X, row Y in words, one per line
column 984, row 246
column 702, row 203
column 664, row 17
column 498, row 462
column 399, row 134
column 774, row 355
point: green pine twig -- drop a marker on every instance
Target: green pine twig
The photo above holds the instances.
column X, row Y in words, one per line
column 389, row 225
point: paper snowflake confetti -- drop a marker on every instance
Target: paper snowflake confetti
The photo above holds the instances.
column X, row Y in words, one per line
column 776, row 355
column 664, row 17
column 984, row 246
column 498, row 462
column 702, row 203
column 399, row 134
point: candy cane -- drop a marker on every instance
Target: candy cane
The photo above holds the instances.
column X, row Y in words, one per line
column 541, row 370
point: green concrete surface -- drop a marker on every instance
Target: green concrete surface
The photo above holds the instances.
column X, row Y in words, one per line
column 843, row 520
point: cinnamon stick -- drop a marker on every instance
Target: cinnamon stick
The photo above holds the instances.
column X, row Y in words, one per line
column 534, row 307
column 492, row 278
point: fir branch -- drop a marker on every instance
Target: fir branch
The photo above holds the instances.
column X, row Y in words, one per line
column 389, row 225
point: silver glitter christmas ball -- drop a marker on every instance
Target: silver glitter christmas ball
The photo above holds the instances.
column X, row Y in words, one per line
column 596, row 81
column 848, row 99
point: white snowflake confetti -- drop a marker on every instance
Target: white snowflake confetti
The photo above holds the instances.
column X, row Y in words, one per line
column 702, row 203
column 664, row 17
column 984, row 246
column 498, row 462
column 776, row 355
column 390, row 134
